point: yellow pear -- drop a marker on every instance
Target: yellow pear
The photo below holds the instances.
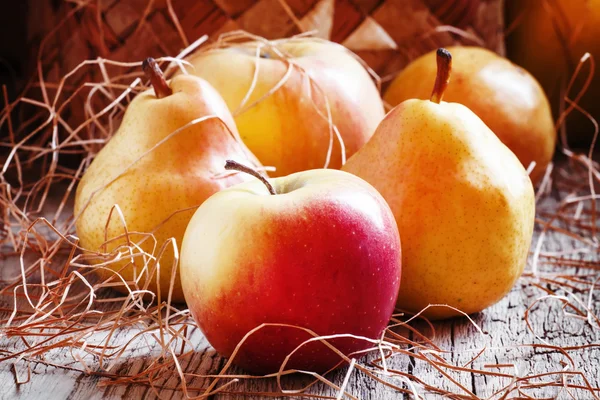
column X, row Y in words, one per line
column 160, row 165
column 506, row 97
column 463, row 202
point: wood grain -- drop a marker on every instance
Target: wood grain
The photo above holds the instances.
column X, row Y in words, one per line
column 507, row 341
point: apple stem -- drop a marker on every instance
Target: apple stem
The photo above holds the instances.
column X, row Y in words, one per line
column 236, row 166
column 156, row 77
column 444, row 67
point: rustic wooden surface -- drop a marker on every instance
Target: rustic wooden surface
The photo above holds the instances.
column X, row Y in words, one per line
column 504, row 324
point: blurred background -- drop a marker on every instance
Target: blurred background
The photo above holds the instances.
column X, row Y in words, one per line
column 546, row 37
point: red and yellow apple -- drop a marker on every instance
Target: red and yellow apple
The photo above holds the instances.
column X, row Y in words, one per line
column 323, row 253
column 292, row 85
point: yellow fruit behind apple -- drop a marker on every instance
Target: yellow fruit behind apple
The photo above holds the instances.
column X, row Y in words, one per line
column 463, row 202
column 549, row 40
column 156, row 179
column 507, row 98
column 285, row 120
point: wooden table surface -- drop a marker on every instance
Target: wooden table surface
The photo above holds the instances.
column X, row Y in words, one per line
column 510, row 347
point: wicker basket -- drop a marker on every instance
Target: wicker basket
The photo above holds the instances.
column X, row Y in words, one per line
column 386, row 34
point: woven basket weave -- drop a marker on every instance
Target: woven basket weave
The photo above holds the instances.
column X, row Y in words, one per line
column 386, row 34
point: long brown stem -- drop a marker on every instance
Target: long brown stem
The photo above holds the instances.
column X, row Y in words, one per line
column 236, row 166
column 156, row 77
column 444, row 68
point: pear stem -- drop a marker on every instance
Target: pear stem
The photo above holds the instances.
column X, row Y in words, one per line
column 233, row 165
column 156, row 77
column 444, row 67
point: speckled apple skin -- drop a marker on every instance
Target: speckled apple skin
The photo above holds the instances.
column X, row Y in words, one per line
column 506, row 97
column 160, row 191
column 324, row 256
column 289, row 128
column 464, row 204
